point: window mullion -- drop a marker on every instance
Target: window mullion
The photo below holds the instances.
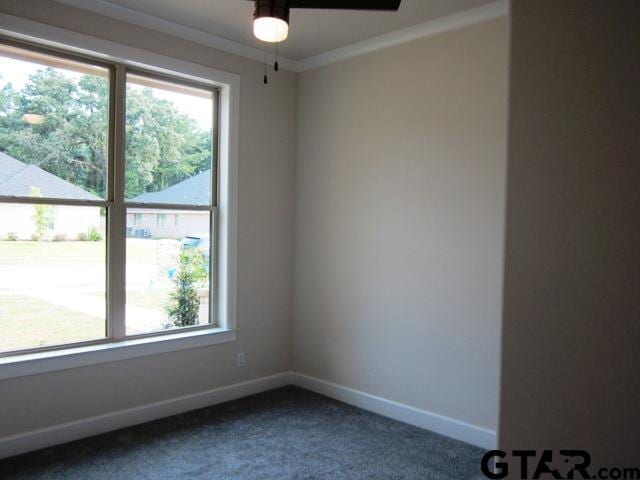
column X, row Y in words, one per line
column 215, row 148
column 117, row 217
column 214, row 253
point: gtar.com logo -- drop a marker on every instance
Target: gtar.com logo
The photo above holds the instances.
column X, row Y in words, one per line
column 534, row 464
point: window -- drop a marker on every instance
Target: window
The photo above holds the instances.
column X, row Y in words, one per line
column 90, row 153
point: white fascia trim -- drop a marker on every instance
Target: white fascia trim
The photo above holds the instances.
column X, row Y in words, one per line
column 447, row 426
column 74, row 357
column 433, row 27
column 87, row 427
column 227, row 211
column 151, row 22
column 468, row 17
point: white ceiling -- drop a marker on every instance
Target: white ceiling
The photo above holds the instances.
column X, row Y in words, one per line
column 312, row 32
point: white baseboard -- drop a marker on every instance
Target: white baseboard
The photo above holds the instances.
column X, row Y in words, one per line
column 67, row 432
column 450, row 427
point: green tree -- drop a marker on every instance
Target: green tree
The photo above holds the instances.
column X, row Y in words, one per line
column 7, row 98
column 183, row 308
column 42, row 215
column 163, row 146
column 72, row 142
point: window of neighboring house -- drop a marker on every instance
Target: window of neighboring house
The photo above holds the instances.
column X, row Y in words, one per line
column 60, row 115
column 175, row 219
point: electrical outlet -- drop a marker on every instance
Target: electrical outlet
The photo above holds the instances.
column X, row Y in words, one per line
column 240, row 360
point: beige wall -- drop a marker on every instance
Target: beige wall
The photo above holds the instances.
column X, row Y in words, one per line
column 571, row 334
column 399, row 223
column 266, row 181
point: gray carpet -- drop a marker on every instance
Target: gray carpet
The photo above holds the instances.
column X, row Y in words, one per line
column 287, row 433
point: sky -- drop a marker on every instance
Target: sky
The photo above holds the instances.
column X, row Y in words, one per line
column 17, row 73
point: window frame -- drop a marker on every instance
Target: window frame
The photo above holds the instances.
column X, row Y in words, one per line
column 116, row 206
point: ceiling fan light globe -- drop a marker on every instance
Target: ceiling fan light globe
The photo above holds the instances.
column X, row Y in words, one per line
column 270, row 29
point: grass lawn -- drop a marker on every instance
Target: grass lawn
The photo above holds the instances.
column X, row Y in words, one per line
column 27, row 322
column 48, row 253
column 155, row 299
column 67, row 253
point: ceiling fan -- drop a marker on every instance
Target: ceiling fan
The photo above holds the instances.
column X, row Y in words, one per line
column 271, row 17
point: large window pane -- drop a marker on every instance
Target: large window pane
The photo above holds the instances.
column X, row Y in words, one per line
column 168, row 142
column 53, row 126
column 57, row 191
column 168, row 269
column 52, row 285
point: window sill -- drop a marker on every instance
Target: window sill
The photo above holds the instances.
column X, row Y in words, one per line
column 50, row 361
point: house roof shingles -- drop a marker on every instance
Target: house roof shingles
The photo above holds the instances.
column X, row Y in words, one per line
column 17, row 178
column 192, row 191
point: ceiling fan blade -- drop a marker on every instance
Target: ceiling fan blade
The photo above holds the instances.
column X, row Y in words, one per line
column 384, row 5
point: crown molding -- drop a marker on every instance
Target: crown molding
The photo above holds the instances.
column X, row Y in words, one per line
column 492, row 10
column 432, row 27
column 141, row 19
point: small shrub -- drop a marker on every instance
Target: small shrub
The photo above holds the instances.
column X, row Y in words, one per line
column 184, row 305
column 82, row 237
column 59, row 237
column 42, row 216
column 11, row 237
column 94, row 235
column 36, row 237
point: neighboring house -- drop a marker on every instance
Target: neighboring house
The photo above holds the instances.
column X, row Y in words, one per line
column 172, row 223
column 20, row 179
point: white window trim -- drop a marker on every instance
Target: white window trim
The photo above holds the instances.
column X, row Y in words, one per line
column 229, row 85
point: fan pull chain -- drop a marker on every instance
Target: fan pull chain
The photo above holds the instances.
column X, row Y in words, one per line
column 265, row 80
column 275, row 66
